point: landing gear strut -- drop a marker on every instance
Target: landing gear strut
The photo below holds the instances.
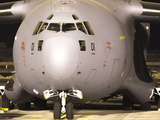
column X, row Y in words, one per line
column 63, row 97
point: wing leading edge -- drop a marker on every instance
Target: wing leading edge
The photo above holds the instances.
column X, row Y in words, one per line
column 12, row 12
column 146, row 12
column 16, row 11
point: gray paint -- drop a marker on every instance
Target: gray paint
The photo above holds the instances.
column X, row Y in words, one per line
column 109, row 69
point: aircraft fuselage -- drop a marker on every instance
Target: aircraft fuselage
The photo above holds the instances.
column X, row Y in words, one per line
column 56, row 59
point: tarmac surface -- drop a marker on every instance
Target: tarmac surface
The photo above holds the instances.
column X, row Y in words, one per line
column 110, row 110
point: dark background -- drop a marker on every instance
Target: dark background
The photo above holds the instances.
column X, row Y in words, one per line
column 8, row 32
column 155, row 33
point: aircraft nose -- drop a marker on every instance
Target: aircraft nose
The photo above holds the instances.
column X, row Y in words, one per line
column 60, row 57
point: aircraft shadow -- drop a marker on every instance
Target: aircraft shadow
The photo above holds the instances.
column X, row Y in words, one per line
column 10, row 116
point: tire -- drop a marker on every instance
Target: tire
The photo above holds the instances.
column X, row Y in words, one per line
column 69, row 111
column 5, row 102
column 57, row 111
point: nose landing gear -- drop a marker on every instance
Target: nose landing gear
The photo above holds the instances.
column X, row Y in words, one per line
column 63, row 108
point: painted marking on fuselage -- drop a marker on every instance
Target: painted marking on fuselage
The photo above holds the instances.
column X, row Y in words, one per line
column 122, row 38
column 122, row 74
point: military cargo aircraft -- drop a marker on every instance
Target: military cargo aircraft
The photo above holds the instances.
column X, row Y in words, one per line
column 74, row 51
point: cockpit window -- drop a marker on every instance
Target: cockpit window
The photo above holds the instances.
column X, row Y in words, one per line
column 84, row 27
column 40, row 44
column 68, row 27
column 37, row 28
column 44, row 26
column 82, row 44
column 50, row 17
column 89, row 28
column 75, row 17
column 54, row 27
column 81, row 27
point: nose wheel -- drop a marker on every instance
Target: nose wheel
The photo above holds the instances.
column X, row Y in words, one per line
column 62, row 107
column 69, row 111
column 57, row 111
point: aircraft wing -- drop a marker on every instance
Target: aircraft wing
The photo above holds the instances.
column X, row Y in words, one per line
column 12, row 12
column 146, row 11
column 16, row 11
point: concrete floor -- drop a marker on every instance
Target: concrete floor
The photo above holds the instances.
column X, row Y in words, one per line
column 111, row 110
column 83, row 114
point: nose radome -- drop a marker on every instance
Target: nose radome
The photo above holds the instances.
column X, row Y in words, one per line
column 60, row 57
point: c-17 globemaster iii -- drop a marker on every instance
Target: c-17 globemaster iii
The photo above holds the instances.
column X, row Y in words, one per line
column 74, row 51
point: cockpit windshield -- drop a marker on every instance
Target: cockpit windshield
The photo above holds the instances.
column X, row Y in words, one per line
column 88, row 27
column 68, row 27
column 54, row 27
column 84, row 27
column 44, row 26
column 80, row 27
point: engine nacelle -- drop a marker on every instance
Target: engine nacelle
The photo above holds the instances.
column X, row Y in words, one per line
column 15, row 92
